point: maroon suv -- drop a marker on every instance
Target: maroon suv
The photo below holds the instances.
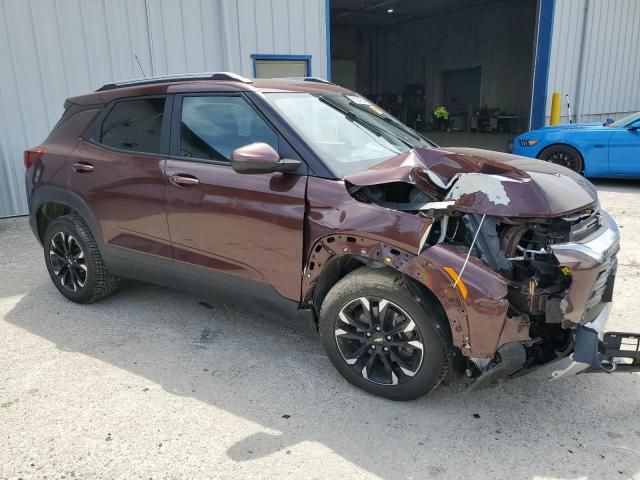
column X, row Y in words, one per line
column 305, row 199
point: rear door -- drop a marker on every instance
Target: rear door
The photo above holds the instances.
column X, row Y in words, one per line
column 229, row 228
column 118, row 171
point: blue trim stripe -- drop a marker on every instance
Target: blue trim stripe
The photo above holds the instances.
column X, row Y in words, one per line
column 327, row 23
column 543, row 57
column 260, row 56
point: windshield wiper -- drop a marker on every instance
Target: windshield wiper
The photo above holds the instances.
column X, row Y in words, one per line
column 369, row 126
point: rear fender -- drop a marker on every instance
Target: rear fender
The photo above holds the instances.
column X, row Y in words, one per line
column 43, row 195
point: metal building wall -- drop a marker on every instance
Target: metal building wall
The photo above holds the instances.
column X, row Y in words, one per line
column 54, row 49
column 595, row 58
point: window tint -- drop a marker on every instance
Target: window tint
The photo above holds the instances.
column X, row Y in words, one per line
column 213, row 127
column 134, row 125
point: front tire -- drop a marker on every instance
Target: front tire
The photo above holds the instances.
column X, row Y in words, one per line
column 74, row 261
column 379, row 338
column 563, row 155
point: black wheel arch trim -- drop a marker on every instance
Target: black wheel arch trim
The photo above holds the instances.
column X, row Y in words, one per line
column 49, row 194
column 425, row 297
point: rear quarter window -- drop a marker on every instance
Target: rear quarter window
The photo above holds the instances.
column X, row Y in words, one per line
column 134, row 125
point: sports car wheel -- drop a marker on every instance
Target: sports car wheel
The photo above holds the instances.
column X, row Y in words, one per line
column 563, row 155
column 379, row 338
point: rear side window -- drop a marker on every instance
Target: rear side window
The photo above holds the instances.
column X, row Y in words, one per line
column 212, row 127
column 134, row 125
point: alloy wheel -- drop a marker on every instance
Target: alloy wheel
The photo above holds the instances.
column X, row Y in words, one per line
column 379, row 340
column 68, row 261
column 564, row 159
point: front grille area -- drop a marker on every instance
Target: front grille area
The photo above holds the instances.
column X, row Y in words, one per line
column 584, row 223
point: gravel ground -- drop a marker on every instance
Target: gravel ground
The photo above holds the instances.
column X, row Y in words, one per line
column 150, row 383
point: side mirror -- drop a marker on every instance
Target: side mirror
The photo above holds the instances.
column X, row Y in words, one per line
column 260, row 157
column 635, row 126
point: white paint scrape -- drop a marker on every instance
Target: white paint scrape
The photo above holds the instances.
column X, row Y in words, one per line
column 472, row 183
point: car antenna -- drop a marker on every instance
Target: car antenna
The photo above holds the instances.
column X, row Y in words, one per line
column 138, row 60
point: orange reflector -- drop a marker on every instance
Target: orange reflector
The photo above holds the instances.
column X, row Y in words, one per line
column 454, row 276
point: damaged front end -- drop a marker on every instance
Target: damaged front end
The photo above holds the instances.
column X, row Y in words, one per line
column 517, row 251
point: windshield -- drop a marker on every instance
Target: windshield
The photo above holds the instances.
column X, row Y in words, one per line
column 623, row 121
column 347, row 132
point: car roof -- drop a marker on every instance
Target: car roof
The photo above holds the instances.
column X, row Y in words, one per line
column 205, row 83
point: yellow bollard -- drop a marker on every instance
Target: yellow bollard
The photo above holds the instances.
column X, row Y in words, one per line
column 555, row 109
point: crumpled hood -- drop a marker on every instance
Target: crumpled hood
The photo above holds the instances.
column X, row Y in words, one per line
column 486, row 182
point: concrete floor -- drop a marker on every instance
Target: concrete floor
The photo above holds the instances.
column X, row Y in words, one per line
column 488, row 141
column 151, row 384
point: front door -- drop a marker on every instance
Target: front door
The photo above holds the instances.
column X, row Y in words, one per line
column 624, row 152
column 226, row 227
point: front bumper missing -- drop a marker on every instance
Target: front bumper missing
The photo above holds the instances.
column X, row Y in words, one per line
column 594, row 263
column 597, row 351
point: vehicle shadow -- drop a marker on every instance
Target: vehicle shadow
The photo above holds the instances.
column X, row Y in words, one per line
column 267, row 373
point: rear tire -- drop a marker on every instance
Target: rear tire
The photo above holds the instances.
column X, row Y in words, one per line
column 565, row 156
column 379, row 338
column 74, row 261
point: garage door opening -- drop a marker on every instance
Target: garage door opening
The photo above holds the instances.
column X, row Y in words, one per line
column 473, row 57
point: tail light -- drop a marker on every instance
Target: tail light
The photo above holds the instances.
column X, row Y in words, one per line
column 32, row 155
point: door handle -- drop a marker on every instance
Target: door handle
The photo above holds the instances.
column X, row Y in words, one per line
column 184, row 180
column 81, row 167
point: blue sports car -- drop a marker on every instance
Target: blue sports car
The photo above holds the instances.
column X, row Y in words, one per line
column 592, row 149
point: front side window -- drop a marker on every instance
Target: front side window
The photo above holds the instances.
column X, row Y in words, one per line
column 134, row 125
column 212, row 127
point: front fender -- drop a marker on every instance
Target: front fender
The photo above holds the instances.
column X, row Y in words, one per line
column 476, row 308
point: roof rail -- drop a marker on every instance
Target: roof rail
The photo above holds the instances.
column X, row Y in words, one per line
column 228, row 76
column 309, row 79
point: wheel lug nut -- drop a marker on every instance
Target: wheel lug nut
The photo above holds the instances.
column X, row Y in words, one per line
column 377, row 329
column 388, row 337
column 368, row 334
column 373, row 347
column 386, row 349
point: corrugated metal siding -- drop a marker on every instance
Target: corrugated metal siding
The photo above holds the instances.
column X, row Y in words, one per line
column 51, row 50
column 595, row 58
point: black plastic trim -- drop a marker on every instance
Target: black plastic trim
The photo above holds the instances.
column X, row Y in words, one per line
column 46, row 194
